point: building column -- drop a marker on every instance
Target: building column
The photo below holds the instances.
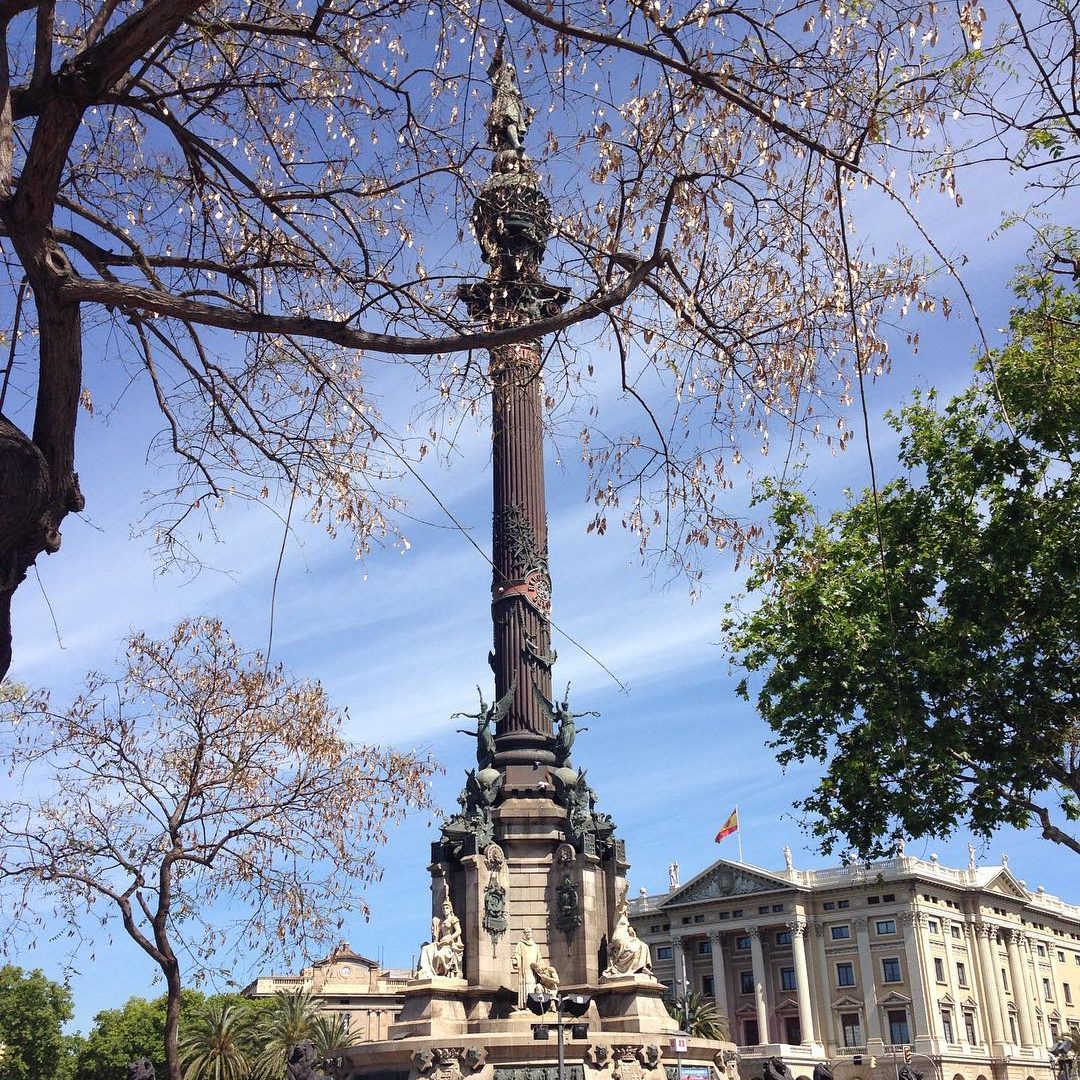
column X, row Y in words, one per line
column 1033, row 956
column 868, row 981
column 719, row 977
column 925, row 1013
column 807, row 1032
column 761, row 984
column 1020, row 987
column 678, row 945
column 993, row 1006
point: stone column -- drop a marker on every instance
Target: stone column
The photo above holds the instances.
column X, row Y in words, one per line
column 925, row 1013
column 719, row 976
column 1033, row 955
column 993, row 1007
column 1020, row 988
column 761, row 984
column 679, row 946
column 802, row 981
column 867, row 976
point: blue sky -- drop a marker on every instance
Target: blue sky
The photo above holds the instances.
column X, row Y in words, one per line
column 401, row 638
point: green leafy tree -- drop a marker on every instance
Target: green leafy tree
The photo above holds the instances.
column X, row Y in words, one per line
column 699, row 1017
column 33, row 1010
column 135, row 1030
column 923, row 646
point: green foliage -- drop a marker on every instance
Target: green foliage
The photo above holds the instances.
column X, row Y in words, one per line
column 216, row 1041
column 135, row 1030
column 282, row 1021
column 32, row 1012
column 941, row 692
column 698, row 1016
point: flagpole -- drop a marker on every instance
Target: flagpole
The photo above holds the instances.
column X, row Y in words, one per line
column 738, row 832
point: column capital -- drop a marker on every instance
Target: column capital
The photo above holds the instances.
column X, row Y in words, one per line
column 860, row 922
column 678, row 941
column 914, row 917
column 798, row 927
column 987, row 931
column 754, row 933
column 716, row 936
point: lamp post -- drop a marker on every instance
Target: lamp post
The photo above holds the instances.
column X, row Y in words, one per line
column 1063, row 1054
column 572, row 1005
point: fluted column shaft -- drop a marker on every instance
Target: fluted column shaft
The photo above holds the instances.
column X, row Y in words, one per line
column 992, row 1003
column 1020, row 988
column 869, row 983
column 757, row 959
column 719, row 975
column 802, row 982
column 521, row 584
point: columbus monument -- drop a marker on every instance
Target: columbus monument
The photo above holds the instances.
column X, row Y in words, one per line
column 528, row 879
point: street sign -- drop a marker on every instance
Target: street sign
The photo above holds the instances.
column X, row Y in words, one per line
column 679, row 1044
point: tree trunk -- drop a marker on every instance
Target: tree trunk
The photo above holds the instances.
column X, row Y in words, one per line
column 38, row 483
column 172, row 1020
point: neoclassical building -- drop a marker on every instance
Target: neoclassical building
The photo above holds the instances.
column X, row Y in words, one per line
column 365, row 994
column 971, row 970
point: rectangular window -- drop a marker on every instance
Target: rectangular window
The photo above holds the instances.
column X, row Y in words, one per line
column 939, row 969
column 1061, row 957
column 845, row 974
column 686, row 920
column 1012, row 1028
column 1047, row 992
column 946, row 1025
column 851, row 1029
column 898, row 1027
column 763, row 910
column 933, row 926
column 886, row 926
column 699, row 918
column 783, row 937
column 725, row 915
column 1068, row 993
column 743, row 942
column 829, row 905
column 792, row 1031
column 890, row 968
column 746, row 982
column 704, row 948
column 777, row 907
column 787, row 978
column 1055, row 1031
column 955, row 929
column 663, row 952
column 873, row 899
column 736, row 913
column 1041, row 949
column 750, row 1033
column 961, row 974
column 969, row 1029
column 655, row 928
column 888, row 898
column 1005, row 979
column 708, row 986
column 843, row 903
column 840, row 933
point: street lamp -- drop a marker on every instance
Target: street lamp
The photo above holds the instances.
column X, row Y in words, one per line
column 572, row 1005
column 1063, row 1055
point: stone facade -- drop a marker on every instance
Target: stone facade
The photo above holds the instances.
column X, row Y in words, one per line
column 977, row 974
column 367, row 995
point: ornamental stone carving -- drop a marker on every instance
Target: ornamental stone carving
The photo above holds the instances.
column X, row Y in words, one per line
column 598, row 1056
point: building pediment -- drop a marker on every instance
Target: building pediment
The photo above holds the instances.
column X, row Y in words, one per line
column 894, row 998
column 848, row 1002
column 1000, row 880
column 726, row 879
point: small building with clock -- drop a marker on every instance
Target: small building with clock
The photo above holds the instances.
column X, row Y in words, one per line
column 364, row 993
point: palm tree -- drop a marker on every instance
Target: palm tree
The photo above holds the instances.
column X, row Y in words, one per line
column 215, row 1042
column 284, row 1021
column 330, row 1030
column 699, row 1017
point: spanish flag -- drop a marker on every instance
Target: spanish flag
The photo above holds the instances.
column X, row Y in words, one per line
column 729, row 826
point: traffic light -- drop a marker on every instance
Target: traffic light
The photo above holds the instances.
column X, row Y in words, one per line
column 907, row 1054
